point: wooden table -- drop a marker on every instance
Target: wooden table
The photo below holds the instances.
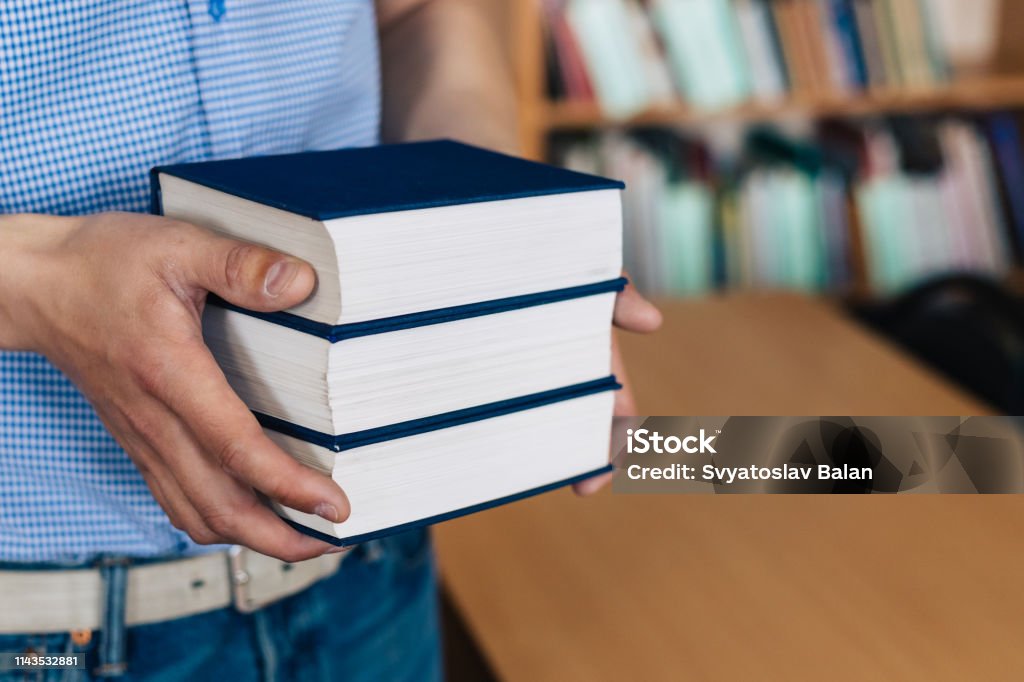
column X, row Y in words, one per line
column 751, row 587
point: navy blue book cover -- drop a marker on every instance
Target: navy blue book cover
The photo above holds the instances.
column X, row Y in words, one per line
column 340, row 332
column 348, row 182
column 445, row 420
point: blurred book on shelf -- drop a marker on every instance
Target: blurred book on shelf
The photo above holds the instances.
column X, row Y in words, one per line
column 928, row 202
column 633, row 56
column 874, row 205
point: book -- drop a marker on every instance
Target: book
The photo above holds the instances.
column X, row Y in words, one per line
column 647, row 176
column 968, row 33
column 795, row 49
column 937, row 53
column 833, row 216
column 840, row 71
column 428, row 476
column 456, row 352
column 556, row 72
column 912, row 43
column 655, row 68
column 702, row 42
column 888, row 32
column 568, row 62
column 407, row 228
column 844, row 21
column 687, row 221
column 970, row 157
column 351, row 378
column 615, row 62
column 1007, row 148
column 764, row 59
column 810, row 34
column 871, row 44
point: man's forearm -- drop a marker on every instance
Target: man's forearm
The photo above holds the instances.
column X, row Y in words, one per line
column 24, row 239
column 444, row 73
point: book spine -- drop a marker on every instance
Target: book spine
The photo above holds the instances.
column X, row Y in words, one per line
column 845, row 21
column 156, row 200
column 768, row 20
column 867, row 29
column 1006, row 143
column 614, row 64
column 350, row 441
column 766, row 72
column 885, row 23
column 790, row 43
column 338, row 333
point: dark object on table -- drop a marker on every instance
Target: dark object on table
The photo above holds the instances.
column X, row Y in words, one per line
column 968, row 328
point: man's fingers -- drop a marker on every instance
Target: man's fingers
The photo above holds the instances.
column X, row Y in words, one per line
column 179, row 510
column 625, row 404
column 210, row 504
column 635, row 313
column 232, row 511
column 589, row 486
column 234, row 514
column 134, row 426
column 248, row 275
column 253, row 458
column 265, row 532
column 197, row 392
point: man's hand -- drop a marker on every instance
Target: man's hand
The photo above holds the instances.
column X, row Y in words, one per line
column 633, row 313
column 115, row 301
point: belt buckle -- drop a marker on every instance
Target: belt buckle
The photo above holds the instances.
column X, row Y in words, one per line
column 241, row 577
column 258, row 580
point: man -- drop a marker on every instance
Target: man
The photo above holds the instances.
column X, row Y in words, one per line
column 126, row 462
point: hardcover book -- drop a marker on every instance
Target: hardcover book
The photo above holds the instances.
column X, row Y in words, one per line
column 408, row 228
column 424, row 474
column 349, row 378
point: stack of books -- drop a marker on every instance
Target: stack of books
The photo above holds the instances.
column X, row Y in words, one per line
column 456, row 351
column 630, row 56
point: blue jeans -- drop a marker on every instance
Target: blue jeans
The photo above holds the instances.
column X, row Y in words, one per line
column 376, row 619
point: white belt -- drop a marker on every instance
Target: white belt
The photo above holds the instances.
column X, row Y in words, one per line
column 65, row 600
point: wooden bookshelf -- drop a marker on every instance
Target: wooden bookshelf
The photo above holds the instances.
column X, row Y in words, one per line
column 540, row 116
column 988, row 93
column 997, row 92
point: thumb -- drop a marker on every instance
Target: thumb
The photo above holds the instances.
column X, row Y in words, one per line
column 252, row 276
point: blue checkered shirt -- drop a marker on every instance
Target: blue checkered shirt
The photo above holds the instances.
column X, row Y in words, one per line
column 92, row 94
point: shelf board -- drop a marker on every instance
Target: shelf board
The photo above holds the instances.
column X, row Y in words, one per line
column 991, row 93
